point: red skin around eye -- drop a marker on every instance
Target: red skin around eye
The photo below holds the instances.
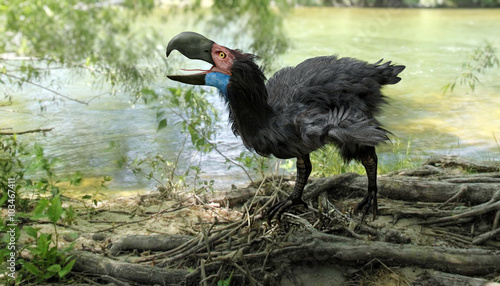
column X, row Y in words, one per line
column 223, row 64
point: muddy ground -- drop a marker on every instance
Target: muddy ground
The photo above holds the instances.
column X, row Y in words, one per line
column 437, row 225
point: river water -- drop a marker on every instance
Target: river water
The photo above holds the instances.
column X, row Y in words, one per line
column 432, row 43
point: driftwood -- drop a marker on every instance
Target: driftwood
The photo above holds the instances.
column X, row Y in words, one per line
column 460, row 214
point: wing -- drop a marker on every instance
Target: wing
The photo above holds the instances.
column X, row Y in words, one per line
column 333, row 83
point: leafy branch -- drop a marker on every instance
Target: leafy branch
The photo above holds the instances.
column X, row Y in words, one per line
column 481, row 59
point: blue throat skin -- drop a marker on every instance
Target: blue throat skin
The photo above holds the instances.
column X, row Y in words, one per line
column 218, row 80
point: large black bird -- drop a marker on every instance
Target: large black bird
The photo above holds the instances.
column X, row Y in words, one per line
column 323, row 100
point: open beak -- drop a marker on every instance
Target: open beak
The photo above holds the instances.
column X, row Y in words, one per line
column 193, row 46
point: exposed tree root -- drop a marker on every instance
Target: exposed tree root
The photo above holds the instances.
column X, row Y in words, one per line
column 428, row 219
column 93, row 264
column 323, row 247
column 147, row 242
column 437, row 278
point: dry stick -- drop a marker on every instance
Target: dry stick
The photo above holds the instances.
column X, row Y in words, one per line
column 475, row 212
column 486, row 236
column 463, row 238
column 252, row 280
column 450, row 235
column 113, row 280
column 199, row 246
column 455, row 222
column 203, row 273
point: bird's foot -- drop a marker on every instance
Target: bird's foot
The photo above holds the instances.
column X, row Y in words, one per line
column 369, row 202
column 278, row 209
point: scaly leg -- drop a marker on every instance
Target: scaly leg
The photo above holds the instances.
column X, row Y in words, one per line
column 369, row 161
column 304, row 169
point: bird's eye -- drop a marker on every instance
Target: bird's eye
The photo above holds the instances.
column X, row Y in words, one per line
column 222, row 55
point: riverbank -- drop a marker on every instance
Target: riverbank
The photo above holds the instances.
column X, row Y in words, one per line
column 438, row 223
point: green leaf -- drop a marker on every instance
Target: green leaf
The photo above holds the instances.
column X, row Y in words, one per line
column 32, row 231
column 162, row 124
column 55, row 210
column 31, row 268
column 42, row 204
column 76, row 179
column 54, row 268
column 67, row 268
column 86, row 197
column 43, row 244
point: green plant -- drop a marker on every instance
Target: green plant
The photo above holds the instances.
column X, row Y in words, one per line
column 162, row 171
column 225, row 282
column 401, row 157
column 48, row 261
column 480, row 60
column 43, row 36
column 496, row 141
column 197, row 116
column 264, row 166
column 33, row 171
column 198, row 119
column 327, row 162
column 13, row 154
column 94, row 198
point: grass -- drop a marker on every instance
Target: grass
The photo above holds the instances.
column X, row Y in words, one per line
column 327, row 161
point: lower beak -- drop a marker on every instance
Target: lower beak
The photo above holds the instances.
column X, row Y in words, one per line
column 195, row 79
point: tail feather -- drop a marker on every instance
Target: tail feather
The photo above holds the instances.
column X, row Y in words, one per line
column 389, row 73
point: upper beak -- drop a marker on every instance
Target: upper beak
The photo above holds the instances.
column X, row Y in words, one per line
column 193, row 46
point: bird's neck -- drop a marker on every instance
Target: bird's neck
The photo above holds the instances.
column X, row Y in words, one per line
column 250, row 112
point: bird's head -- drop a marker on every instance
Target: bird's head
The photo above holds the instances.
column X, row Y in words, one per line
column 196, row 46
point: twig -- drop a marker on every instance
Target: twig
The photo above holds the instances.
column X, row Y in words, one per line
column 27, row 131
column 203, row 273
column 475, row 212
column 252, row 280
column 462, row 190
column 46, row 88
column 212, row 144
column 113, row 280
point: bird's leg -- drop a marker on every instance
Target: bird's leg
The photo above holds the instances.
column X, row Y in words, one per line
column 369, row 161
column 304, row 169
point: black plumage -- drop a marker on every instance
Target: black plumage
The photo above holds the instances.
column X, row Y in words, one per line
column 323, row 100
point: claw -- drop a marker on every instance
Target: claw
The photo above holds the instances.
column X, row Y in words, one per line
column 282, row 206
column 369, row 202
